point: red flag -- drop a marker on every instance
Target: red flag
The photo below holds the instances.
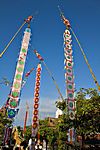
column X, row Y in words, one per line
column 29, row 72
column 38, row 55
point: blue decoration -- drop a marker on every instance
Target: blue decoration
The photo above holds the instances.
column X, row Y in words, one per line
column 11, row 113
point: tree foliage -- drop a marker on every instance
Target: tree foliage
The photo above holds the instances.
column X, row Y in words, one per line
column 85, row 123
column 87, row 111
column 87, row 120
column 61, row 105
column 49, row 134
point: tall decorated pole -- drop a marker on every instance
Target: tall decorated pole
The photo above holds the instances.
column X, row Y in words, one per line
column 35, row 118
column 25, row 119
column 69, row 74
column 69, row 77
column 13, row 98
column 49, row 72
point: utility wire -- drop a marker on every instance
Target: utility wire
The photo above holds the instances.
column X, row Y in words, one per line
column 54, row 81
column 66, row 22
column 49, row 72
column 25, row 21
column 93, row 76
column 11, row 40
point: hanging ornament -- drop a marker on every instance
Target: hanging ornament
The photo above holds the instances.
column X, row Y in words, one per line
column 37, row 83
column 34, row 125
column 36, row 100
column 37, row 89
column 15, row 94
column 35, row 118
column 71, row 105
column 11, row 113
column 36, row 106
column 35, row 112
column 71, row 114
column 69, row 79
column 36, row 94
column 13, row 103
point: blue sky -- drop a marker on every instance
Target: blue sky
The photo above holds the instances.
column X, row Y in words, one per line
column 47, row 38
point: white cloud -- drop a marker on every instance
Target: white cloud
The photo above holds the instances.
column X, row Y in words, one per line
column 47, row 108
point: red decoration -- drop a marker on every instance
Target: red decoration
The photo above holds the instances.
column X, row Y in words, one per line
column 36, row 94
column 37, row 88
column 36, row 100
column 36, row 106
column 38, row 83
column 35, row 118
column 35, row 112
column 38, row 74
column 35, row 125
column 38, row 79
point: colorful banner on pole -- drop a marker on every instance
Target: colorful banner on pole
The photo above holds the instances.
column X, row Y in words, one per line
column 35, row 120
column 17, row 82
column 69, row 73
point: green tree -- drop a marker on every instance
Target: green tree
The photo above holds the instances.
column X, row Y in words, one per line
column 61, row 105
column 87, row 113
column 48, row 133
column 85, row 123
